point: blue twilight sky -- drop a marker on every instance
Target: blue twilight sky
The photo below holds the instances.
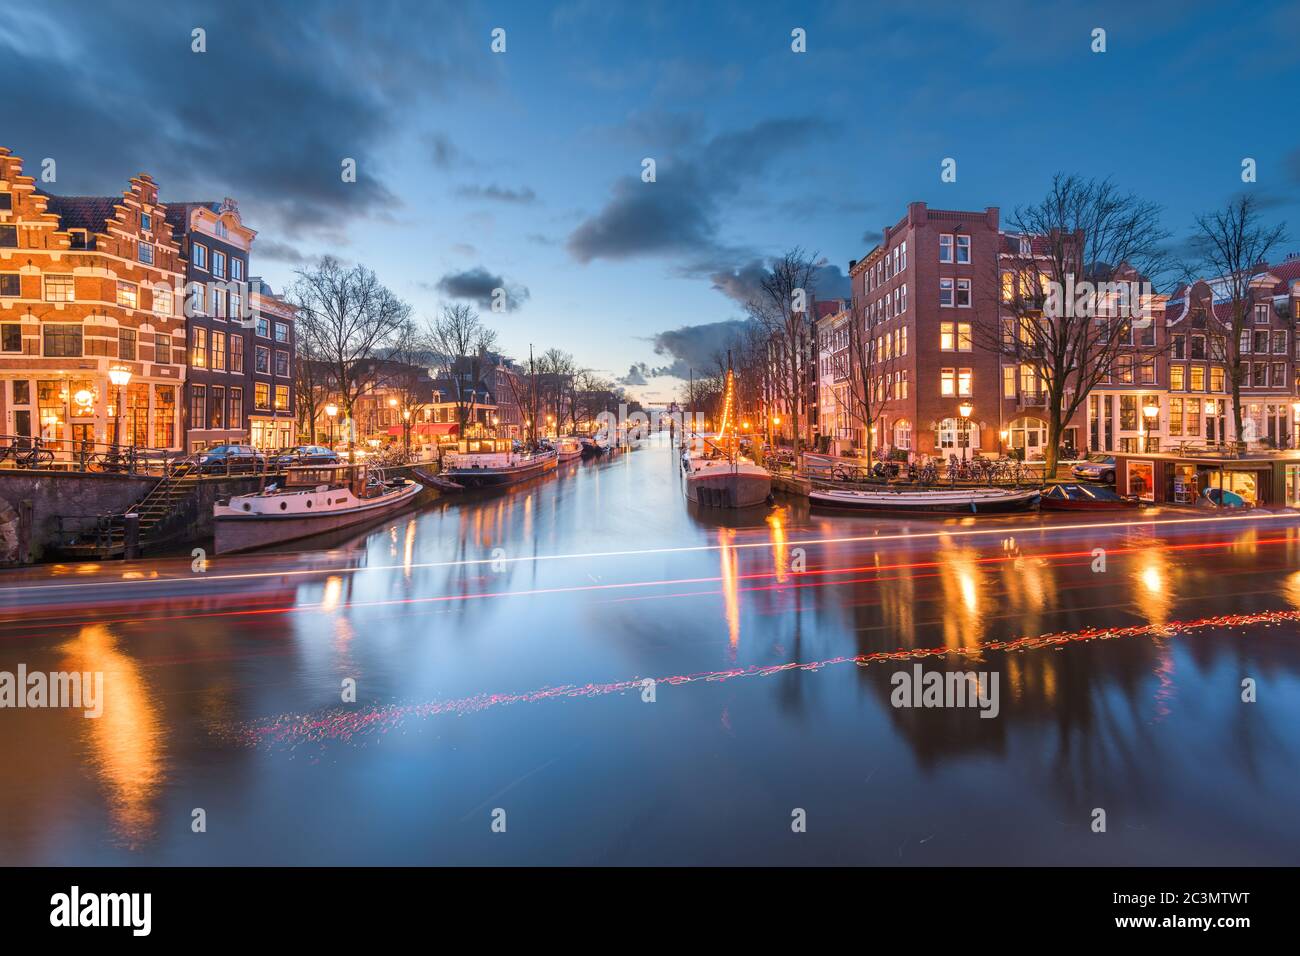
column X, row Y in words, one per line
column 522, row 169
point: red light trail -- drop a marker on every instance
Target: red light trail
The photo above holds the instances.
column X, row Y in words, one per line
column 342, row 726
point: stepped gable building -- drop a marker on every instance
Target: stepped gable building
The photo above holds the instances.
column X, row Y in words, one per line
column 88, row 286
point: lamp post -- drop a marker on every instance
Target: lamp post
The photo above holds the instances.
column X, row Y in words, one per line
column 1002, row 441
column 1151, row 413
column 330, row 411
column 406, row 430
column 964, row 410
column 120, row 376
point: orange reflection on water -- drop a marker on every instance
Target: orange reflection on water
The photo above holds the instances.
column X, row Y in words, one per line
column 1153, row 587
column 730, row 586
column 126, row 741
column 780, row 554
column 960, row 580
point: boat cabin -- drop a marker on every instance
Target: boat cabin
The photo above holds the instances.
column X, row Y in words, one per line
column 354, row 477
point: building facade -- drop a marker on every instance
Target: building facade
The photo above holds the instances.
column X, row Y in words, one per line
column 272, row 374
column 88, row 286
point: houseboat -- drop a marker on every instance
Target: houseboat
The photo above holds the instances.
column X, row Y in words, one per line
column 309, row 500
column 493, row 462
column 928, row 501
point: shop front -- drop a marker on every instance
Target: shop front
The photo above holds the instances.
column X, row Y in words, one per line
column 1265, row 480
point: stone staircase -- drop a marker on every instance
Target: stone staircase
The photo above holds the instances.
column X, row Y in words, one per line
column 170, row 498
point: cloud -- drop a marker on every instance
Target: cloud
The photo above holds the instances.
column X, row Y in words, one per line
column 745, row 283
column 444, row 153
column 252, row 117
column 280, row 252
column 872, row 237
column 695, row 347
column 498, row 194
column 1292, row 165
column 679, row 213
column 479, row 286
column 636, row 374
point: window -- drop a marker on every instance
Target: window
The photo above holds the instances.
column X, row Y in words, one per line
column 162, row 349
column 1179, row 346
column 282, row 364
column 127, row 295
column 197, row 299
column 237, row 269
column 61, row 341
column 261, row 395
column 1261, row 375
column 218, row 264
column 145, row 253
column 1216, row 379
column 60, row 289
column 11, row 337
column 963, row 293
column 1147, row 372
column 1026, row 246
column 218, row 352
column 1261, row 315
column 964, row 377
column 146, row 222
column 1124, row 369
column 1218, row 348
column 126, row 339
column 281, row 332
column 236, row 353
column 1008, row 381
column 1261, row 342
column 198, row 405
column 903, row 434
column 903, row 298
column 948, row 381
column 1279, row 374
column 1198, row 346
column 1279, row 343
column 963, row 249
column 6, row 201
column 263, row 327
column 163, row 304
column 217, row 407
column 236, row 408
column 1198, row 378
column 199, row 348
column 11, row 284
column 903, row 255
column 262, row 360
column 282, row 398
column 219, row 303
column 236, row 303
column 954, row 336
column 1177, row 377
column 945, row 292
column 8, row 237
column 1243, row 343
column 945, row 248
column 199, row 253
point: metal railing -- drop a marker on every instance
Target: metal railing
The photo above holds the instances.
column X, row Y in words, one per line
column 49, row 454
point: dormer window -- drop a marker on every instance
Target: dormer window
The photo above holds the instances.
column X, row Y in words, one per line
column 222, row 232
column 146, row 222
column 1026, row 246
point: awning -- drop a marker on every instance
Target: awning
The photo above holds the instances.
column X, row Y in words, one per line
column 426, row 428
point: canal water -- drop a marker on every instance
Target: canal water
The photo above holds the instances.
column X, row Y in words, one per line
column 586, row 670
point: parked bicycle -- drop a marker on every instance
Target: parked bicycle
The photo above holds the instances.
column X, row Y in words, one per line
column 34, row 456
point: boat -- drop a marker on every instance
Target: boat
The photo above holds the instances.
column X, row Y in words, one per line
column 1074, row 497
column 432, row 480
column 718, row 475
column 929, row 500
column 568, row 448
column 594, row 448
column 494, row 462
column 724, row 482
column 310, row 500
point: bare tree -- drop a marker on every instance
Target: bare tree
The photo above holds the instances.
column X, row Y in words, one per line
column 346, row 317
column 406, row 374
column 783, row 309
column 1061, row 302
column 313, row 386
column 462, row 345
column 870, row 373
column 1232, row 247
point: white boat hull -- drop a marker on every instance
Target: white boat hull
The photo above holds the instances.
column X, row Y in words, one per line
column 727, row 484
column 937, row 501
column 258, row 521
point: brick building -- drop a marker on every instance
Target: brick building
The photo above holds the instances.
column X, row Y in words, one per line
column 88, row 284
column 271, row 378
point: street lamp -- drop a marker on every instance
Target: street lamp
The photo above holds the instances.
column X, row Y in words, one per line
column 1151, row 411
column 331, row 410
column 120, row 376
column 1003, row 436
column 964, row 410
column 406, row 430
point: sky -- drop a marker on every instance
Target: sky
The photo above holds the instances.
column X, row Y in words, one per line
column 522, row 169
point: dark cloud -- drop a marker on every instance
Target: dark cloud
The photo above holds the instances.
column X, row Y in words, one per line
column 444, row 153
column 679, row 213
column 280, row 252
column 636, row 374
column 695, row 347
column 478, row 285
column 1292, row 165
column 254, row 117
column 872, row 237
column 498, row 194
column 744, row 283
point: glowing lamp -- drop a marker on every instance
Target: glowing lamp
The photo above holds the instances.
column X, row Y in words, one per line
column 1152, row 410
column 965, row 409
column 331, row 409
column 119, row 376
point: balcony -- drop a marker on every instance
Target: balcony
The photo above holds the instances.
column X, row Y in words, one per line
column 1031, row 400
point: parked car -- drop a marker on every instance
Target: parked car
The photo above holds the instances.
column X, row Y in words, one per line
column 304, row 455
column 223, row 460
column 1096, row 468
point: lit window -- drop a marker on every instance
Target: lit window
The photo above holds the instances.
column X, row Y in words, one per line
column 947, row 337
column 964, row 381
column 948, row 381
column 127, row 294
